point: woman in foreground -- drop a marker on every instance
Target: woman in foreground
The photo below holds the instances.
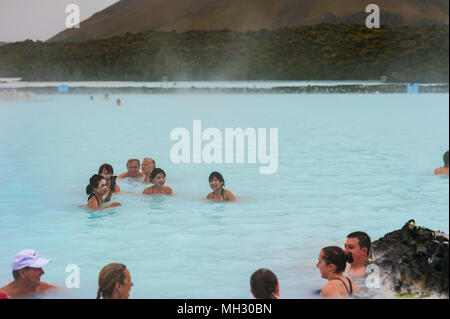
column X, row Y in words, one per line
column 332, row 262
column 114, row 282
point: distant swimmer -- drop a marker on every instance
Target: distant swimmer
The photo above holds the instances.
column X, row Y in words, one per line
column 443, row 170
column 332, row 261
column 133, row 166
column 106, row 97
column 158, row 177
column 264, row 285
column 107, row 171
column 357, row 244
column 148, row 165
column 217, row 183
column 96, row 189
column 114, row 282
column 92, row 97
column 118, row 102
column 27, row 271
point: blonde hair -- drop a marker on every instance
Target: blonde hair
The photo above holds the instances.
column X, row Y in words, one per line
column 108, row 277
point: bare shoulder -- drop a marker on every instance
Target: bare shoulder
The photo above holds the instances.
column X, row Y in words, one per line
column 123, row 175
column 93, row 203
column 169, row 190
column 210, row 196
column 43, row 286
column 148, row 191
column 229, row 195
column 328, row 290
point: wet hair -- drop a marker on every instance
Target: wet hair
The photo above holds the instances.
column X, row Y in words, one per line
column 263, row 284
column 108, row 277
column 133, row 160
column 155, row 172
column 93, row 183
column 218, row 176
column 338, row 257
column 363, row 240
column 446, row 159
column 106, row 167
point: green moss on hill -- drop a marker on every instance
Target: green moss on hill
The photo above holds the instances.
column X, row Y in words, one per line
column 322, row 52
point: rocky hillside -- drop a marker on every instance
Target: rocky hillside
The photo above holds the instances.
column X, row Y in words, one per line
column 135, row 16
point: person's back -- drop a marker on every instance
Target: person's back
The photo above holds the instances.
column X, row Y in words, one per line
column 443, row 170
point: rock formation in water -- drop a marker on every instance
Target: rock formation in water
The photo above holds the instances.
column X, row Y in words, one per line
column 413, row 261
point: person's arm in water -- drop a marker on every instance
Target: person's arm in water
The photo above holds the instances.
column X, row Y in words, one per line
column 93, row 204
column 123, row 175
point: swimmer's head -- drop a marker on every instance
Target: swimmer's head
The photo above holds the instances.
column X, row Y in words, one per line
column 333, row 260
column 158, row 177
column 94, row 182
column 216, row 177
column 264, row 284
column 114, row 280
column 446, row 159
column 358, row 244
column 106, row 169
column 133, row 166
column 148, row 165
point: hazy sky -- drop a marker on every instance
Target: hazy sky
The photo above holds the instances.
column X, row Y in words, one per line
column 41, row 19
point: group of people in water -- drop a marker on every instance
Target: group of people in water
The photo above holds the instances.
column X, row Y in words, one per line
column 340, row 267
column 104, row 184
column 344, row 269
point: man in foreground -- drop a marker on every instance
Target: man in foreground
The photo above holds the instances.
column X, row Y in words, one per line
column 27, row 272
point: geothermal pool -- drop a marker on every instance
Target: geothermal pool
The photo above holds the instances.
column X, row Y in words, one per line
column 345, row 163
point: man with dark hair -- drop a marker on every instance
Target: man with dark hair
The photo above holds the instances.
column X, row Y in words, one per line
column 358, row 244
column 443, row 170
column 27, row 272
column 133, row 166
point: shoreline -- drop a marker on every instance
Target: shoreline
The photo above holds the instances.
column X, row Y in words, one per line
column 310, row 89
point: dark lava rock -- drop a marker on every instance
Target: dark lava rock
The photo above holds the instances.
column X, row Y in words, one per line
column 413, row 261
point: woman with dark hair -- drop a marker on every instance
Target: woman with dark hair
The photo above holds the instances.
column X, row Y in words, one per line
column 114, row 282
column 96, row 189
column 217, row 183
column 264, row 285
column 158, row 178
column 332, row 263
column 107, row 171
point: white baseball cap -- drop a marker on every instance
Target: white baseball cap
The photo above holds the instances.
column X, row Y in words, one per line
column 28, row 258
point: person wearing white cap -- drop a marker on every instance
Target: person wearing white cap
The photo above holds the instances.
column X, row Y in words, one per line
column 27, row 272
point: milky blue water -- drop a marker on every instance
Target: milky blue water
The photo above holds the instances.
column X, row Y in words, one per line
column 346, row 163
